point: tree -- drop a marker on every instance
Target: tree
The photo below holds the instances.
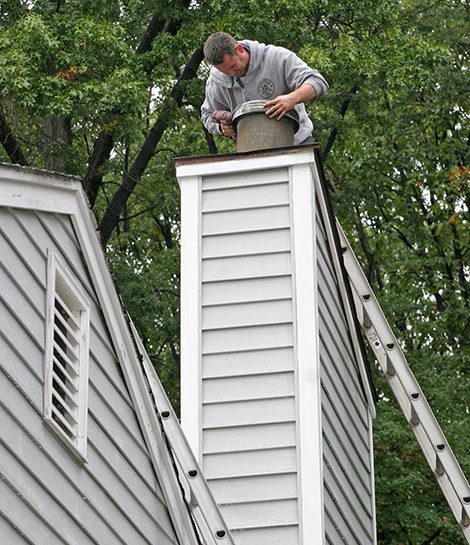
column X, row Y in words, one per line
column 111, row 91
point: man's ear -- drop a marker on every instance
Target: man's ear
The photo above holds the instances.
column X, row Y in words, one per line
column 240, row 49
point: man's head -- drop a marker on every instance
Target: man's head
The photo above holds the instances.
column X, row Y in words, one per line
column 229, row 57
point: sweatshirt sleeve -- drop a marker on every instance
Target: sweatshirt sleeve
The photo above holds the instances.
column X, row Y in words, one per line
column 212, row 103
column 318, row 83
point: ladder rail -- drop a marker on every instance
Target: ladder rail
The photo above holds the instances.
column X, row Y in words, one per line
column 407, row 391
column 198, row 497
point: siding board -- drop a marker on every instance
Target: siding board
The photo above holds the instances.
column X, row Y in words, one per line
column 69, row 248
column 248, row 266
column 265, row 536
column 248, row 219
column 238, row 464
column 249, row 396
column 246, row 314
column 44, row 507
column 235, row 198
column 348, row 493
column 257, row 387
column 12, row 263
column 347, row 437
column 261, row 514
column 31, row 258
column 249, row 289
column 329, row 292
column 14, row 334
column 254, row 488
column 344, row 406
column 122, row 428
column 61, row 479
column 340, row 484
column 348, row 511
column 265, row 176
column 247, row 338
column 247, row 413
column 344, row 530
column 256, row 362
column 124, row 469
column 27, row 525
column 359, row 481
column 346, row 413
column 335, row 329
column 20, row 303
column 342, row 382
column 246, row 243
column 248, row 387
column 256, row 437
column 10, row 532
column 357, row 467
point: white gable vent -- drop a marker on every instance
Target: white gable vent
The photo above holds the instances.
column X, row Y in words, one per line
column 66, row 372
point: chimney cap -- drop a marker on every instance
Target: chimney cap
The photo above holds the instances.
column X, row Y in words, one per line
column 256, row 107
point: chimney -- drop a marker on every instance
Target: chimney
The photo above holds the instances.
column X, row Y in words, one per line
column 256, row 131
column 271, row 398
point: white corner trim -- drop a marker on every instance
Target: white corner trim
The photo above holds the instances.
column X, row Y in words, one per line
column 308, row 358
column 191, row 382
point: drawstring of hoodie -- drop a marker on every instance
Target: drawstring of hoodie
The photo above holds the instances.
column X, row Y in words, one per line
column 238, row 80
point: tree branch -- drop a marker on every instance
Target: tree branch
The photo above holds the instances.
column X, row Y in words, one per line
column 104, row 143
column 10, row 143
column 101, row 152
column 334, row 133
column 147, row 151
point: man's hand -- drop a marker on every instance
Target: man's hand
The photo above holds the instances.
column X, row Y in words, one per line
column 282, row 104
column 227, row 130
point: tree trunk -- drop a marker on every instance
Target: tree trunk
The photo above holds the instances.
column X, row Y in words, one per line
column 10, row 143
column 57, row 138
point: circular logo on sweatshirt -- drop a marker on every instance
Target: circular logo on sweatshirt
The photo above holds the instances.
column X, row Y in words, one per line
column 265, row 88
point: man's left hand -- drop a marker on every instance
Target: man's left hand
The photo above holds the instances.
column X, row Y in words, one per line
column 283, row 103
column 279, row 106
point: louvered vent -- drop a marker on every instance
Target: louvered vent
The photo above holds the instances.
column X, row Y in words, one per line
column 65, row 367
column 67, row 356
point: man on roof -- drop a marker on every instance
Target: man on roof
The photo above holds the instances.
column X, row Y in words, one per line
column 249, row 70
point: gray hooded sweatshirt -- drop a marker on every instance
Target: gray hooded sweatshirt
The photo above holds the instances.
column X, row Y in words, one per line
column 272, row 71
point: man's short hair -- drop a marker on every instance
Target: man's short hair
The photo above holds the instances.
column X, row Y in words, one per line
column 217, row 46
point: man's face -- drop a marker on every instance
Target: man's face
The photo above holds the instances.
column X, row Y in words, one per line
column 235, row 65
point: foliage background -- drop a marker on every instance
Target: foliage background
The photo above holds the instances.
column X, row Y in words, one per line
column 111, row 91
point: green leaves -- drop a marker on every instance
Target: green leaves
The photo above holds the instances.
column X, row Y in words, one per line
column 395, row 128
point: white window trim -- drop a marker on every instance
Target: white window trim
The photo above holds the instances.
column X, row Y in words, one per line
column 59, row 277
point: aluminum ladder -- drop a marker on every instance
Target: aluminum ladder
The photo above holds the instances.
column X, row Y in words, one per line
column 406, row 389
column 172, row 442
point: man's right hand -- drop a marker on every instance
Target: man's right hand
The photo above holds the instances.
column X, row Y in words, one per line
column 227, row 130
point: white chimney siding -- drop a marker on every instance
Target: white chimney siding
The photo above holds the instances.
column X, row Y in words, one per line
column 271, row 397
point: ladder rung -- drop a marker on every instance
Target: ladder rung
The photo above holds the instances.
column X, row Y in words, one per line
column 366, row 322
column 414, row 415
column 390, row 367
column 465, row 520
column 439, row 467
